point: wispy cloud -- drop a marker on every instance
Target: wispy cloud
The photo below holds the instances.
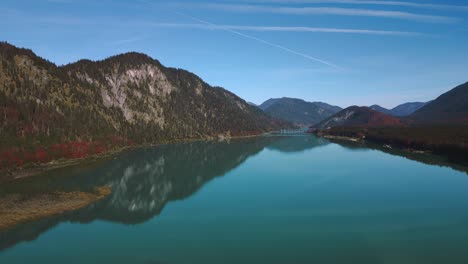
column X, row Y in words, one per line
column 367, row 2
column 271, row 44
column 288, row 29
column 126, row 40
column 60, row 1
column 327, row 11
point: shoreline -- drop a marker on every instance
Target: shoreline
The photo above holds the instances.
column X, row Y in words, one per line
column 16, row 209
column 40, row 168
column 364, row 140
column 440, row 140
column 36, row 169
column 428, row 156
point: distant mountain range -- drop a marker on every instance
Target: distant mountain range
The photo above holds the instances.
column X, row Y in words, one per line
column 405, row 109
column 449, row 108
column 125, row 99
column 298, row 111
column 301, row 112
column 439, row 127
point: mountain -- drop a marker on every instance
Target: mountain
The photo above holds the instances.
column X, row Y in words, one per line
column 451, row 107
column 331, row 108
column 407, row 109
column 298, row 111
column 355, row 116
column 439, row 127
column 400, row 110
column 87, row 107
column 380, row 109
column 265, row 105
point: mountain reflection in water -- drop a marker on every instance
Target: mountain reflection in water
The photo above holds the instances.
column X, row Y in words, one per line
column 144, row 180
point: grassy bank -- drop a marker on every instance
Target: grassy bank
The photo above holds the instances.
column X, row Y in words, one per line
column 20, row 208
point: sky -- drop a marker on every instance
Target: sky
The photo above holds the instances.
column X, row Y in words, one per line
column 343, row 52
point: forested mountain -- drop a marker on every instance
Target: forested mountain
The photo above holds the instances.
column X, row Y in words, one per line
column 265, row 105
column 355, row 116
column 440, row 126
column 405, row 109
column 298, row 111
column 380, row 109
column 450, row 107
column 48, row 112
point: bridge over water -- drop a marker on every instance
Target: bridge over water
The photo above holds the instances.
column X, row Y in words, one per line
column 299, row 131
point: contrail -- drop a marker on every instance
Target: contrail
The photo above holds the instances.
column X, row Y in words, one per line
column 291, row 29
column 271, row 44
column 366, row 2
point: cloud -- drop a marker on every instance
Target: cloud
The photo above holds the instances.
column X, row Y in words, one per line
column 367, row 2
column 60, row 1
column 289, row 29
column 328, row 11
column 126, row 40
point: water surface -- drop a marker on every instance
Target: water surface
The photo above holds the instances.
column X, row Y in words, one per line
column 295, row 199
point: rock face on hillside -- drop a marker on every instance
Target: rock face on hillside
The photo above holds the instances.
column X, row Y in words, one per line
column 125, row 99
column 356, row 116
column 298, row 111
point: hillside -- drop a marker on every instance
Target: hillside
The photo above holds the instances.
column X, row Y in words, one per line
column 451, row 107
column 88, row 107
column 440, row 126
column 355, row 116
column 405, row 109
column 298, row 111
column 381, row 109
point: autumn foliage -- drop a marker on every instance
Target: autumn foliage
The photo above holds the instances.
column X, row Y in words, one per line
column 20, row 156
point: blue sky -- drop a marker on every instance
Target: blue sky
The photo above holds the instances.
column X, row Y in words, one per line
column 342, row 52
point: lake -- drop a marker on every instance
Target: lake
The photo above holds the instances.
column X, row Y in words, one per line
column 272, row 199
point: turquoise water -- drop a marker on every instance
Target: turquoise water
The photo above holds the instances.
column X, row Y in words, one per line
column 262, row 200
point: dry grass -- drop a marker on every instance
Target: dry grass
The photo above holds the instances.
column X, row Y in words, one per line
column 16, row 208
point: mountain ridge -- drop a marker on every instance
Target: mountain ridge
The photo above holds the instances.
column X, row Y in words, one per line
column 404, row 109
column 439, row 127
column 298, row 111
column 449, row 107
column 358, row 116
